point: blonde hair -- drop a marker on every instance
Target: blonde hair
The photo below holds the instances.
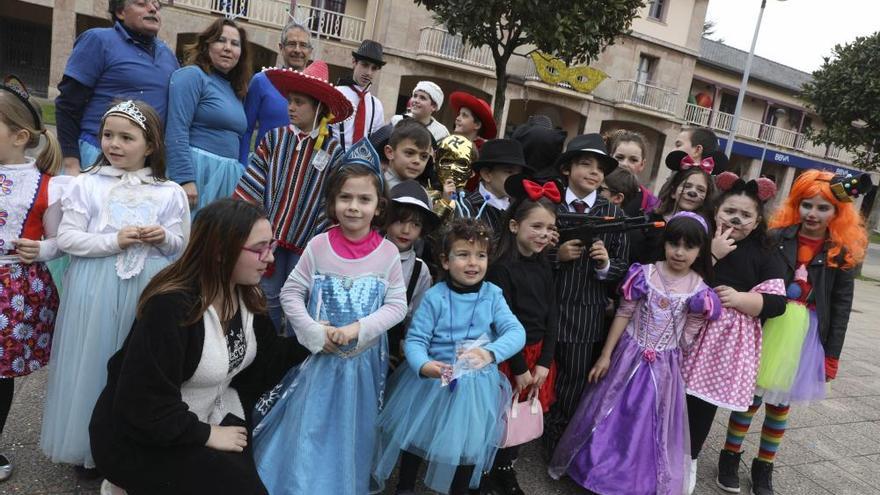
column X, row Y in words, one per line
column 15, row 114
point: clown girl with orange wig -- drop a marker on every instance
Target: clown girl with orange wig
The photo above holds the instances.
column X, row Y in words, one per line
column 821, row 237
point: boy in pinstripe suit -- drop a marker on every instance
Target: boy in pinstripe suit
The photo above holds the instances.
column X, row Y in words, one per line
column 583, row 272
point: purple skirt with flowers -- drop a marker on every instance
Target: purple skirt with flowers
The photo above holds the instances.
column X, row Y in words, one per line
column 28, row 303
column 630, row 432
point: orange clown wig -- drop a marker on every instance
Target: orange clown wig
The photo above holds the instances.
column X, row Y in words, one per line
column 846, row 230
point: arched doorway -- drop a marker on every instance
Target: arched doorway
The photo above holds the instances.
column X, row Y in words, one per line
column 519, row 111
column 654, row 141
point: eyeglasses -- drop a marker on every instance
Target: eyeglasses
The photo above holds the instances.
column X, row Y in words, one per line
column 263, row 252
column 297, row 44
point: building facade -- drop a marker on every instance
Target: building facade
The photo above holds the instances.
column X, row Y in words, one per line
column 661, row 77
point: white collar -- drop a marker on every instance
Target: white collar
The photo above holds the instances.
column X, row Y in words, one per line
column 589, row 199
column 297, row 131
column 140, row 176
column 494, row 201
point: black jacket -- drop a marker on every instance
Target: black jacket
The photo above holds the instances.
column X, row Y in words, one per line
column 832, row 289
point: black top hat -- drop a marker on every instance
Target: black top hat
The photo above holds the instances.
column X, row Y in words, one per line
column 541, row 143
column 591, row 144
column 501, row 152
column 410, row 192
column 371, row 51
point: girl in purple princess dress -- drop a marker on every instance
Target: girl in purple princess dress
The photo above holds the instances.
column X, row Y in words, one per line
column 630, row 433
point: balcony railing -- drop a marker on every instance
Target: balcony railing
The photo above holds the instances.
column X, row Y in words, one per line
column 646, row 96
column 272, row 12
column 329, row 24
column 762, row 133
column 437, row 42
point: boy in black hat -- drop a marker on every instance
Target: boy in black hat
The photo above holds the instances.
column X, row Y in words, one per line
column 583, row 271
column 499, row 159
column 369, row 115
column 409, row 218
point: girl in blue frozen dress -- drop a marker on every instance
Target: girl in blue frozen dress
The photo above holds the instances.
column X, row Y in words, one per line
column 315, row 431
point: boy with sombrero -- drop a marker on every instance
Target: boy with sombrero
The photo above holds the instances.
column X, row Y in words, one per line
column 287, row 171
column 584, row 271
column 369, row 115
column 498, row 160
column 473, row 118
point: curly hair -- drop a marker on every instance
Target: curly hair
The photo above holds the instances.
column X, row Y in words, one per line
column 846, row 230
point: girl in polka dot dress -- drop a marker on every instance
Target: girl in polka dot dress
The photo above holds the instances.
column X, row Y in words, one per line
column 720, row 368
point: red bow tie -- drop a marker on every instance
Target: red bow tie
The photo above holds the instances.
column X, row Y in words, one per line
column 536, row 191
column 706, row 164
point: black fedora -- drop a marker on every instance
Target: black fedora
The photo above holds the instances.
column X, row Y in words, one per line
column 370, row 51
column 501, row 152
column 410, row 192
column 591, row 144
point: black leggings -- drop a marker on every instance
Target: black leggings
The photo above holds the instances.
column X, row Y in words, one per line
column 505, row 457
column 7, row 387
column 700, row 417
column 409, row 471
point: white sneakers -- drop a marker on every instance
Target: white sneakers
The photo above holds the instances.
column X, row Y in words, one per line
column 692, row 477
column 108, row 488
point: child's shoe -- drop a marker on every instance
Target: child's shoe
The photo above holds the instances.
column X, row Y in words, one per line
column 762, row 477
column 505, row 482
column 728, row 471
column 5, row 468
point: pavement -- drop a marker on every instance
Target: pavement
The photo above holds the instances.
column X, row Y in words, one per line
column 831, row 447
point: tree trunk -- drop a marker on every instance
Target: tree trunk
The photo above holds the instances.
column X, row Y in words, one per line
column 500, row 92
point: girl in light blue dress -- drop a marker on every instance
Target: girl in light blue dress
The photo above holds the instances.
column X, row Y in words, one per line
column 315, row 432
column 122, row 223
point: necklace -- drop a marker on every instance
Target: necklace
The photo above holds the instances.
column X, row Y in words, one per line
column 664, row 301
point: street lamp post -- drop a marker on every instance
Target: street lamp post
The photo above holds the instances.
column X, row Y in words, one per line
column 745, row 83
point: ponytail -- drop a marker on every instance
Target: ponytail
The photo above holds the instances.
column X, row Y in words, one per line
column 49, row 159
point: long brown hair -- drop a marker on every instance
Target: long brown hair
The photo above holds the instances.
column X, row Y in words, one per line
column 18, row 117
column 205, row 268
column 197, row 54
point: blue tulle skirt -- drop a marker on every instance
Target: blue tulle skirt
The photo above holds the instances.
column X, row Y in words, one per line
column 447, row 427
column 316, row 430
column 95, row 316
column 216, row 176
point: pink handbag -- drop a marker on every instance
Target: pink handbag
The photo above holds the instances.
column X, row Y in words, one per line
column 525, row 422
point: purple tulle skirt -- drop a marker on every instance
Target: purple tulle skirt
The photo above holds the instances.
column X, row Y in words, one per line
column 630, row 432
column 792, row 359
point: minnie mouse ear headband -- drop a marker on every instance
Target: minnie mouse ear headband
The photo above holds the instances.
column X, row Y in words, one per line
column 762, row 187
column 848, row 187
column 713, row 164
column 694, row 216
column 14, row 85
column 410, row 192
column 520, row 187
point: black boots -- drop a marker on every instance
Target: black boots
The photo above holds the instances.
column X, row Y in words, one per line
column 502, row 481
column 728, row 471
column 762, row 478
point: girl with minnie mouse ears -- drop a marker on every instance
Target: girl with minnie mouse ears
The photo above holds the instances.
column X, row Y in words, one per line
column 721, row 367
column 525, row 276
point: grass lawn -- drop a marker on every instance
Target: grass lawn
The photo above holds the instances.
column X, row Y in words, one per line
column 48, row 107
column 875, row 238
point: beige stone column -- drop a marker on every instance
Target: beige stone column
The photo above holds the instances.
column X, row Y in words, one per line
column 754, row 170
column 63, row 36
column 387, row 86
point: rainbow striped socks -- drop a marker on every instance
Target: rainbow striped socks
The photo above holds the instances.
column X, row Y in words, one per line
column 775, row 422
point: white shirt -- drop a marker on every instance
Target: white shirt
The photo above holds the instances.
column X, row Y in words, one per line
column 438, row 130
column 500, row 203
column 374, row 119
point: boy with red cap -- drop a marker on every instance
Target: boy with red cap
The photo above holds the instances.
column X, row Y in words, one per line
column 287, row 171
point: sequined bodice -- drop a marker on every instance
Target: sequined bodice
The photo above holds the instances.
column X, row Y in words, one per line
column 341, row 300
column 660, row 320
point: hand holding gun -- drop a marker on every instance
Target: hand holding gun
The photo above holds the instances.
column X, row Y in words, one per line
column 586, row 228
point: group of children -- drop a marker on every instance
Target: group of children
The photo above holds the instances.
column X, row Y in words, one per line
column 403, row 372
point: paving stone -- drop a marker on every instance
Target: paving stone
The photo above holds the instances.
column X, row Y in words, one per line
column 831, row 477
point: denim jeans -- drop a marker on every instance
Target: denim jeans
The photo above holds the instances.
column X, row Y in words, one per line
column 285, row 262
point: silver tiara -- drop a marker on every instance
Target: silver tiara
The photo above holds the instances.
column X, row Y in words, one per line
column 131, row 112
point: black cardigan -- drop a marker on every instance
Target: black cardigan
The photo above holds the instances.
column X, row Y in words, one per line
column 751, row 263
column 529, row 289
column 142, row 400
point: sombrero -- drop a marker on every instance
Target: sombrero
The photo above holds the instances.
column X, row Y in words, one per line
column 480, row 108
column 313, row 81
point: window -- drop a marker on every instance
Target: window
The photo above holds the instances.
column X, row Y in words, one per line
column 728, row 103
column 645, row 71
column 657, row 9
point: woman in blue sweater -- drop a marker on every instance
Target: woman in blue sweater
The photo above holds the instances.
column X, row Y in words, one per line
column 446, row 407
column 206, row 120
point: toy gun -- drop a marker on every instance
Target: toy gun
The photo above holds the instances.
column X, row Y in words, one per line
column 586, row 227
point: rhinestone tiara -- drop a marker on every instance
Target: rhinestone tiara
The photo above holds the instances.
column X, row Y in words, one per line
column 130, row 111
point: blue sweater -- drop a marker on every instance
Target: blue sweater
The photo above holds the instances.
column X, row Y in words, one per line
column 263, row 104
column 203, row 113
column 445, row 317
